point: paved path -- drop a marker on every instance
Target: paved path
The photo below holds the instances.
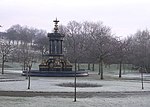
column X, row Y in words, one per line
column 71, row 94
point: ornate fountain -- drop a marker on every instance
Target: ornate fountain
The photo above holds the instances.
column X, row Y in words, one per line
column 56, row 60
column 55, row 64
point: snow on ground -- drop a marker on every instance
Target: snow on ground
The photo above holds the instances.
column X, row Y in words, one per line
column 14, row 70
column 49, row 84
column 68, row 102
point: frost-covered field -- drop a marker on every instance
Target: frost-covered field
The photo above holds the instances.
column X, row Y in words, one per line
column 137, row 101
column 16, row 82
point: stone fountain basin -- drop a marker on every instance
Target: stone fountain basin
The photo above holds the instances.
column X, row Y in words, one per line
column 55, row 73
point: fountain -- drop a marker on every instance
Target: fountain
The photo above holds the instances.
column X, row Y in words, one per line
column 55, row 64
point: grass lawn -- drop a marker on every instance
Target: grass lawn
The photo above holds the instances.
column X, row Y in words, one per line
column 111, row 69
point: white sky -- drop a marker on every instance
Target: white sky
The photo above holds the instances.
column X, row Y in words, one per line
column 125, row 17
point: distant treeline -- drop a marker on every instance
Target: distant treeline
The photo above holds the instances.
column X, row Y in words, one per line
column 84, row 42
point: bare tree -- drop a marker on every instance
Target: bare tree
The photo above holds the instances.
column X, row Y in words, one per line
column 88, row 41
column 75, row 43
column 13, row 33
column 41, row 44
column 102, row 44
column 29, row 62
column 122, row 50
column 141, row 51
column 22, row 36
column 5, row 51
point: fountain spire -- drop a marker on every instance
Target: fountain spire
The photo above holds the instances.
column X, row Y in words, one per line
column 56, row 25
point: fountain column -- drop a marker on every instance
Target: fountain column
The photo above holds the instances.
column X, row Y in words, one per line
column 61, row 47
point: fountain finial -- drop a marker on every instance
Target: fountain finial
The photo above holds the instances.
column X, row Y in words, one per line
column 56, row 25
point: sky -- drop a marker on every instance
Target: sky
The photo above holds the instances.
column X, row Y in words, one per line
column 124, row 17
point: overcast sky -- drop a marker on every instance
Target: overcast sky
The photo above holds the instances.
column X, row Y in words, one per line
column 125, row 17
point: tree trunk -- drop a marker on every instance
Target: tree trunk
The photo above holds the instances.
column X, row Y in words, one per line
column 24, row 65
column 29, row 77
column 17, row 43
column 9, row 42
column 93, row 67
column 120, row 69
column 27, row 74
column 3, row 64
column 75, row 82
column 78, row 66
column 13, row 42
column 99, row 68
column 88, row 66
column 124, row 68
column 101, row 64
